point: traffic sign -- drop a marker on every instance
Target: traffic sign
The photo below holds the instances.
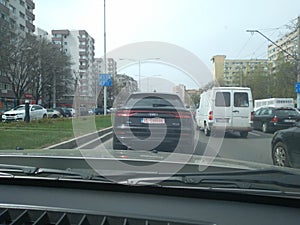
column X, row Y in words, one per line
column 105, row 80
column 297, row 87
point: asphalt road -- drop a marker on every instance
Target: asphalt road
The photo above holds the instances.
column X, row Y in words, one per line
column 255, row 148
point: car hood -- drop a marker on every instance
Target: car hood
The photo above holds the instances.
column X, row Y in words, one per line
column 14, row 111
column 114, row 159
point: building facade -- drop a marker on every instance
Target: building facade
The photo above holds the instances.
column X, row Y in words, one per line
column 19, row 15
column 230, row 72
column 80, row 46
column 288, row 43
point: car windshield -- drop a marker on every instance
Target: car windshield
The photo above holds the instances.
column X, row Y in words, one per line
column 152, row 92
column 21, row 107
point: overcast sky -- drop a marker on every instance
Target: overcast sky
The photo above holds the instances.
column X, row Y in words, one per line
column 205, row 28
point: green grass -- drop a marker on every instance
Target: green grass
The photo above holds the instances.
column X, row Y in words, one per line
column 46, row 132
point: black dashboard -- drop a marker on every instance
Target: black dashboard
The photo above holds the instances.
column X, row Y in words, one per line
column 42, row 201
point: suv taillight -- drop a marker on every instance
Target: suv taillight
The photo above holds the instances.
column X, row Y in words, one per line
column 124, row 113
column 183, row 115
column 210, row 115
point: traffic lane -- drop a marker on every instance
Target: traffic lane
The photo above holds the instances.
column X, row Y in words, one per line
column 255, row 148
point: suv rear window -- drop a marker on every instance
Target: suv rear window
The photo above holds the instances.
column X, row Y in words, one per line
column 154, row 101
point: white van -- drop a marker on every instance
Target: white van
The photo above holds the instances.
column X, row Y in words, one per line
column 226, row 108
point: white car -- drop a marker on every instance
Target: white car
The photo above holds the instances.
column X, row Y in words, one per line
column 18, row 113
column 52, row 113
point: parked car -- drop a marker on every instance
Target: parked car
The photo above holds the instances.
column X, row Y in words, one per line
column 270, row 119
column 83, row 111
column 2, row 111
column 286, row 147
column 18, row 113
column 98, row 111
column 64, row 112
column 73, row 111
column 52, row 113
column 154, row 121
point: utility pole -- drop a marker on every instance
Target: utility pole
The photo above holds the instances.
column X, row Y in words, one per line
column 298, row 59
column 104, row 59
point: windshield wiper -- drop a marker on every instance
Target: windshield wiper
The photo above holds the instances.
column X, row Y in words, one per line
column 15, row 170
column 269, row 179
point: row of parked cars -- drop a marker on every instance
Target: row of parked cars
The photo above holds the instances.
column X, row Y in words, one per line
column 36, row 112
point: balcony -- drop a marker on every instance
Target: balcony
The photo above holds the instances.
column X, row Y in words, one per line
column 30, row 3
column 62, row 32
column 30, row 14
column 30, row 26
column 83, row 67
column 4, row 9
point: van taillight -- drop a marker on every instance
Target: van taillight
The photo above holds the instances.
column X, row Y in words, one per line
column 210, row 115
column 275, row 120
column 252, row 116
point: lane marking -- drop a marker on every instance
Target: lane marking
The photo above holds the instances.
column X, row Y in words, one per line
column 255, row 134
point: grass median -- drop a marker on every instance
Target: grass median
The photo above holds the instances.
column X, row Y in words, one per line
column 46, row 132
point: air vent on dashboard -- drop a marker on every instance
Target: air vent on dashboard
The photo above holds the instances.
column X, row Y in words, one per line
column 41, row 217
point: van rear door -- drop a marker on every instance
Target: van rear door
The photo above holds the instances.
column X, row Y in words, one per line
column 222, row 109
column 241, row 109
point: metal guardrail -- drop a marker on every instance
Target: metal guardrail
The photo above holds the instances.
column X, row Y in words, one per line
column 86, row 141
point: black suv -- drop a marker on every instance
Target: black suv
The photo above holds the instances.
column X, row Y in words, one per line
column 270, row 119
column 154, row 121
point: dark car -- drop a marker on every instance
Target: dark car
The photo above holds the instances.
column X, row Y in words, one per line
column 98, row 111
column 286, row 147
column 153, row 121
column 270, row 119
column 64, row 112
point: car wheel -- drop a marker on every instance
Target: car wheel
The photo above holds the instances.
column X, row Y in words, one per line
column 44, row 116
column 265, row 128
column 54, row 116
column 206, row 130
column 280, row 155
column 117, row 145
column 244, row 134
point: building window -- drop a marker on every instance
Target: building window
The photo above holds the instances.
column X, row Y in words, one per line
column 22, row 27
column 22, row 3
column 3, row 2
column 22, row 15
column 65, row 43
column 12, row 9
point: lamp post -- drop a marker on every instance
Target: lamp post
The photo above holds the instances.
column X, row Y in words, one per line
column 139, row 63
column 297, row 59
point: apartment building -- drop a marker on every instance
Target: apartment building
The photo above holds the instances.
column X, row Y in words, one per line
column 111, row 66
column 19, row 14
column 230, row 71
column 288, row 43
column 81, row 48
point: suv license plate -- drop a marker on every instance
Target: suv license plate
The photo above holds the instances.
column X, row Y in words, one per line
column 153, row 120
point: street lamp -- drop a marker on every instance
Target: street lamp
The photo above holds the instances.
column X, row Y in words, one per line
column 139, row 62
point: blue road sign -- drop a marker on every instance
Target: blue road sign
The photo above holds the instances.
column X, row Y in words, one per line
column 105, row 80
column 297, row 87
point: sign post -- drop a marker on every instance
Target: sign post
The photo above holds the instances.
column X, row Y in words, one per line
column 105, row 81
